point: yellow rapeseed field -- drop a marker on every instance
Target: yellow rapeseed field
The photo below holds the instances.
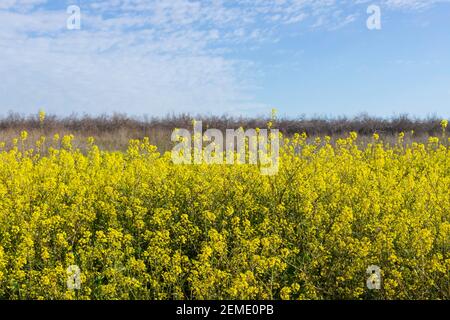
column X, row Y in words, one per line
column 140, row 227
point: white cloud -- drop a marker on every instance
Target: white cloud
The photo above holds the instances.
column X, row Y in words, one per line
column 119, row 82
column 153, row 56
column 412, row 4
column 20, row 4
column 103, row 68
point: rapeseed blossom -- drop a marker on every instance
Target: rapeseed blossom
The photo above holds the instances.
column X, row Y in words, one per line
column 140, row 227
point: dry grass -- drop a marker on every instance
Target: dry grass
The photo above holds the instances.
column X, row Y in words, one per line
column 113, row 132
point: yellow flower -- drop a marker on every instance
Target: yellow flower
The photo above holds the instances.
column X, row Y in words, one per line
column 141, row 227
column 41, row 116
column 274, row 114
column 24, row 135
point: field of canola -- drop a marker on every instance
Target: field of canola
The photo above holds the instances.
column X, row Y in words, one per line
column 140, row 227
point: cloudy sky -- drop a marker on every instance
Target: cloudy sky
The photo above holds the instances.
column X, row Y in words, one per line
column 302, row 57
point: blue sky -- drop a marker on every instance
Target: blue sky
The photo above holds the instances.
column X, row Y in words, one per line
column 302, row 57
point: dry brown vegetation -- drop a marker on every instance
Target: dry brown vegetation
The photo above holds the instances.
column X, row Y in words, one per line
column 112, row 132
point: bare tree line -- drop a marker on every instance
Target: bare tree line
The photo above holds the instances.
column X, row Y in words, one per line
column 114, row 131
